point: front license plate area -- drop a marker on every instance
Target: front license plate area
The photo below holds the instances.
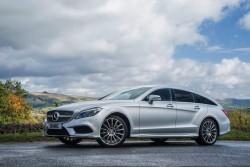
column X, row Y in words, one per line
column 55, row 126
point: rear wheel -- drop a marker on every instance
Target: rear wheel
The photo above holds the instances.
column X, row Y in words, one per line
column 159, row 140
column 114, row 132
column 208, row 132
column 70, row 140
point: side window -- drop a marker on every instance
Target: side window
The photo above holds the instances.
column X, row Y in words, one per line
column 197, row 98
column 201, row 99
column 183, row 96
column 163, row 93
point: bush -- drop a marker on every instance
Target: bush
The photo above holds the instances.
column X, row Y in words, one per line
column 13, row 107
column 239, row 120
column 20, row 128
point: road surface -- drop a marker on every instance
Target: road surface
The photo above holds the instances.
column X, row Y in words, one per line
column 132, row 153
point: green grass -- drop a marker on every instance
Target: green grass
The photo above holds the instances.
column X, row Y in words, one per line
column 38, row 136
column 236, row 135
column 23, row 137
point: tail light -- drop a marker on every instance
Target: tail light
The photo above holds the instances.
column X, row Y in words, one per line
column 225, row 112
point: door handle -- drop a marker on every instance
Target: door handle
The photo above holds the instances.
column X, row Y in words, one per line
column 170, row 106
column 196, row 107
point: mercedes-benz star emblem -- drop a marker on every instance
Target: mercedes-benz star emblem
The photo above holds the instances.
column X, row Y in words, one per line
column 55, row 116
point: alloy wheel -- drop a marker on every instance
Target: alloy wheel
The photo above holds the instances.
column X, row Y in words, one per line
column 113, row 131
column 209, row 131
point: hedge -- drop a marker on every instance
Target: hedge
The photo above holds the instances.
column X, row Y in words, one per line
column 20, row 128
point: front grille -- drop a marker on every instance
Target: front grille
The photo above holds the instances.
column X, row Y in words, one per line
column 61, row 112
column 83, row 129
column 63, row 116
column 59, row 132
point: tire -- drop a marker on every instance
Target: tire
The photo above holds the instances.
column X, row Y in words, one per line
column 208, row 132
column 159, row 140
column 113, row 132
column 70, row 140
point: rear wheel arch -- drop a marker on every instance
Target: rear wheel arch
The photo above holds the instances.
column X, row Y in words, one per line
column 215, row 120
column 208, row 131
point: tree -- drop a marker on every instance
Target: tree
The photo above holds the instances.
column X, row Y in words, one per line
column 15, row 87
column 13, row 108
column 56, row 104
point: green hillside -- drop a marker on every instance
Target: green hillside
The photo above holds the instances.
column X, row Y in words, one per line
column 235, row 104
column 43, row 100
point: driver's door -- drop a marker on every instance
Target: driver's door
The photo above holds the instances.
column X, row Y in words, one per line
column 158, row 118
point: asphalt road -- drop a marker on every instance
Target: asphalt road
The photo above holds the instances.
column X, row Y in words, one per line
column 132, row 153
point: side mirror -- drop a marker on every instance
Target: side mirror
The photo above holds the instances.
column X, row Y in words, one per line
column 152, row 98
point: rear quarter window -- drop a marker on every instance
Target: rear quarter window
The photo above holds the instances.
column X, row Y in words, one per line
column 201, row 99
column 207, row 101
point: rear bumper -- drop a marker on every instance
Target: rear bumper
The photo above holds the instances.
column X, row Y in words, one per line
column 224, row 127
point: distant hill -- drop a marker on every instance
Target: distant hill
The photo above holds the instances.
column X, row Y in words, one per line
column 232, row 103
column 39, row 100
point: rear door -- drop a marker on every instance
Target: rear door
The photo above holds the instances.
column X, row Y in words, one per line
column 190, row 110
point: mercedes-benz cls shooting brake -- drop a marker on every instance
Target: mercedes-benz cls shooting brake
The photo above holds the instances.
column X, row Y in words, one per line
column 155, row 112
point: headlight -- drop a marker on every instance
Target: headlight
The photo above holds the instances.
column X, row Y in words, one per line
column 88, row 112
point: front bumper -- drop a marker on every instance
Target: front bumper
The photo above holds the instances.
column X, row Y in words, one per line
column 81, row 128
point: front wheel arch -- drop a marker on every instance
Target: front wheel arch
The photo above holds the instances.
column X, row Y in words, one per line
column 113, row 133
column 125, row 118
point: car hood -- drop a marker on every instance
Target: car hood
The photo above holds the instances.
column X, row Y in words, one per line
column 77, row 107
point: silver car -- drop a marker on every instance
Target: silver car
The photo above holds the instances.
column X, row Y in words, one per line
column 155, row 112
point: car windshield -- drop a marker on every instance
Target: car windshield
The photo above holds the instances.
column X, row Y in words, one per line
column 127, row 95
column 102, row 98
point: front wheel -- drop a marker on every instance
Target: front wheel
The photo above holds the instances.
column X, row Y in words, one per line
column 208, row 132
column 70, row 140
column 113, row 133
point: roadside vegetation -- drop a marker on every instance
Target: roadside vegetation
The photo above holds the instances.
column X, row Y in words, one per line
column 240, row 126
column 240, row 120
column 236, row 135
column 22, row 137
column 13, row 107
column 20, row 122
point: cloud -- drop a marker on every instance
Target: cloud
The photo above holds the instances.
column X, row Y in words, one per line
column 245, row 21
column 216, row 48
column 220, row 49
column 94, row 47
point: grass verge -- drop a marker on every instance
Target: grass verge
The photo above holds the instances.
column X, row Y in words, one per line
column 24, row 137
column 236, row 135
column 38, row 136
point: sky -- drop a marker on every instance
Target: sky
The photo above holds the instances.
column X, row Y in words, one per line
column 94, row 47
